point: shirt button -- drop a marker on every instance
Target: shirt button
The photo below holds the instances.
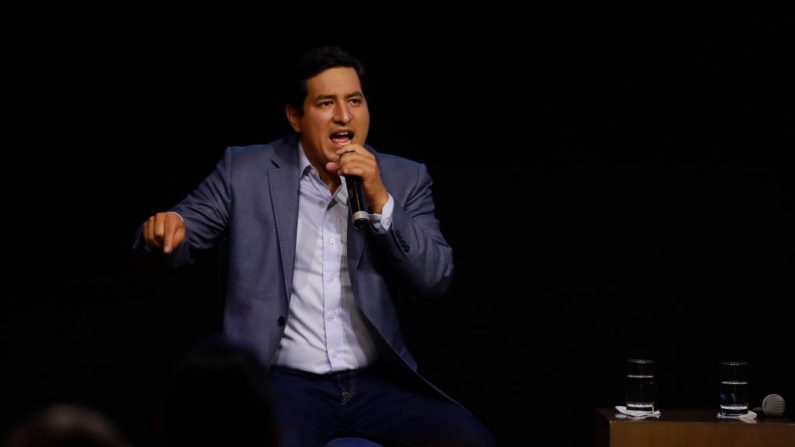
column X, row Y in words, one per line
column 331, row 241
column 330, row 315
column 333, row 354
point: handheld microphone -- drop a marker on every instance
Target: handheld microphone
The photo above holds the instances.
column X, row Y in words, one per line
column 772, row 405
column 359, row 213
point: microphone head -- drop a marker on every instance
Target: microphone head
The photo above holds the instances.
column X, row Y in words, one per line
column 773, row 405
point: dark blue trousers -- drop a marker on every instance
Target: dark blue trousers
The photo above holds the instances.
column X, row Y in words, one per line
column 368, row 403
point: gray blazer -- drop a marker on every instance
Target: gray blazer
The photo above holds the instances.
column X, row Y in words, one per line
column 250, row 204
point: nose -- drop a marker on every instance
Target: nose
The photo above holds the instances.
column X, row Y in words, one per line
column 341, row 113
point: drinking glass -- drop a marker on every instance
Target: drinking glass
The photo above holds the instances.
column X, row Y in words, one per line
column 640, row 385
column 733, row 388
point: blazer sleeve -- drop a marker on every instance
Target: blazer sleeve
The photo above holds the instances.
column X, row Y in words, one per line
column 416, row 247
column 206, row 213
column 206, row 210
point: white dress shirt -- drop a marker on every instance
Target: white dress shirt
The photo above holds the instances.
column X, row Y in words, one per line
column 325, row 329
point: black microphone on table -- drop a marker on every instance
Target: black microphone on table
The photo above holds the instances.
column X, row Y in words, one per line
column 359, row 213
column 772, row 405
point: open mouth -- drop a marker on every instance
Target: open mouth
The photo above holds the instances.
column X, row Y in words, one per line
column 342, row 137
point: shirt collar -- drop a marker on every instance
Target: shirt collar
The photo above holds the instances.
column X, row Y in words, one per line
column 306, row 168
column 303, row 162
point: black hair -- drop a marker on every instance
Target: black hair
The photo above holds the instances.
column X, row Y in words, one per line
column 220, row 397
column 311, row 63
column 67, row 425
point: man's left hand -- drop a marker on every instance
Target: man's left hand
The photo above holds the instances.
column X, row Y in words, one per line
column 356, row 160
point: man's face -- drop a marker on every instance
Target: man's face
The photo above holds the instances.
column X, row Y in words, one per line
column 335, row 114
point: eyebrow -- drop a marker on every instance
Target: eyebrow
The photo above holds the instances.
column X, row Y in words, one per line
column 348, row 96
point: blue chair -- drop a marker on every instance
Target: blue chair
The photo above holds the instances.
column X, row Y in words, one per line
column 351, row 442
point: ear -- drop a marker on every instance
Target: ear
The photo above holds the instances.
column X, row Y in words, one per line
column 293, row 117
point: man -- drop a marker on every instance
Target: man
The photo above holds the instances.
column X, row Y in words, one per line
column 314, row 296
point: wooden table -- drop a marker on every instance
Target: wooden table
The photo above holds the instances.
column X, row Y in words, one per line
column 696, row 428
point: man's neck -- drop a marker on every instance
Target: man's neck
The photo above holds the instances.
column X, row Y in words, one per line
column 330, row 179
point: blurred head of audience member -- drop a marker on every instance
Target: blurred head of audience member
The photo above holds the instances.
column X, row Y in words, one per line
column 219, row 397
column 65, row 425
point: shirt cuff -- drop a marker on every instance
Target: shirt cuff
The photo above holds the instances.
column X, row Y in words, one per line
column 382, row 222
column 178, row 215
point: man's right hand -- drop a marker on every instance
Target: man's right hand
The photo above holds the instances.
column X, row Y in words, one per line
column 164, row 230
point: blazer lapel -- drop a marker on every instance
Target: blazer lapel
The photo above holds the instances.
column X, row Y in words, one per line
column 356, row 242
column 357, row 239
column 284, row 179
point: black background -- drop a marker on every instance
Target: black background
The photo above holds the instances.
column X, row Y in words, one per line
column 615, row 183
